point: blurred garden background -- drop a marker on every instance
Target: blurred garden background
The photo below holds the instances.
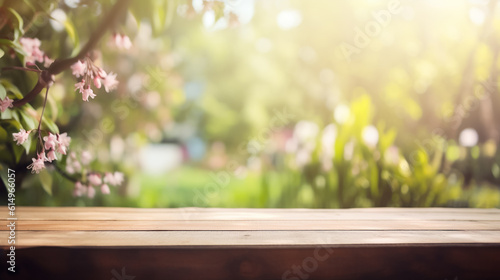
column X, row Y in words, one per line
column 275, row 103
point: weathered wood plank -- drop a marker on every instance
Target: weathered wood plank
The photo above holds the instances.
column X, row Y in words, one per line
column 265, row 225
column 196, row 243
column 258, row 210
column 247, row 238
column 182, row 214
column 318, row 263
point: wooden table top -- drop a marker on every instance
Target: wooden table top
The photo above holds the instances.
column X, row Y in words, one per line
column 243, row 244
column 225, row 228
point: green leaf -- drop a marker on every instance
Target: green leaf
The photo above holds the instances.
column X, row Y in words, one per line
column 13, row 45
column 46, row 181
column 20, row 24
column 374, row 180
column 27, row 122
column 1, row 53
column 159, row 13
column 15, row 116
column 18, row 17
column 11, row 125
column 50, row 125
column 18, row 151
column 387, row 139
column 28, row 3
column 27, row 145
column 3, row 135
column 70, row 28
column 3, row 174
column 53, row 108
column 12, row 88
column 158, row 16
column 6, row 154
column 171, row 9
column 6, row 115
column 3, row 92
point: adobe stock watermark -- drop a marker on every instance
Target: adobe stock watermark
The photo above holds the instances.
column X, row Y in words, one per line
column 121, row 276
column 372, row 29
column 481, row 93
column 310, row 264
column 220, row 180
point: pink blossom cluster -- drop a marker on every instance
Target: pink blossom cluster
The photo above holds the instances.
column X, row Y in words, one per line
column 56, row 143
column 96, row 180
column 21, row 136
column 5, row 103
column 33, row 53
column 90, row 73
column 52, row 144
column 75, row 165
column 122, row 41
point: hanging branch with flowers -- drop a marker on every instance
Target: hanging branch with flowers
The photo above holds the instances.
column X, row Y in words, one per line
column 30, row 140
column 50, row 144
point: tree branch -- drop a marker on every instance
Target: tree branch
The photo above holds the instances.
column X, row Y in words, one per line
column 58, row 66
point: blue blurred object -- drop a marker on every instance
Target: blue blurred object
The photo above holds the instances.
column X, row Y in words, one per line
column 193, row 90
column 196, row 148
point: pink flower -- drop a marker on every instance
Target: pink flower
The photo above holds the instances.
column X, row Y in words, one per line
column 6, row 103
column 72, row 165
column 30, row 43
column 77, row 165
column 94, row 179
column 61, row 149
column 119, row 178
column 79, row 189
column 109, row 178
column 78, row 68
column 126, row 43
column 38, row 164
column 122, row 41
column 110, row 82
column 114, row 179
column 97, row 82
column 50, row 141
column 70, row 169
column 117, row 38
column 90, row 192
column 88, row 92
column 86, row 157
column 21, row 136
column 80, row 86
column 105, row 189
column 64, row 139
column 38, row 55
column 101, row 73
column 32, row 48
column 51, row 155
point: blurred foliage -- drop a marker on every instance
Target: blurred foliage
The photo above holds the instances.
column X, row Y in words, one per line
column 383, row 126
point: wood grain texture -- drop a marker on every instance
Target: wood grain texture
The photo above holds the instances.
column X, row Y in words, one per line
column 198, row 243
column 265, row 225
column 247, row 238
column 209, row 214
